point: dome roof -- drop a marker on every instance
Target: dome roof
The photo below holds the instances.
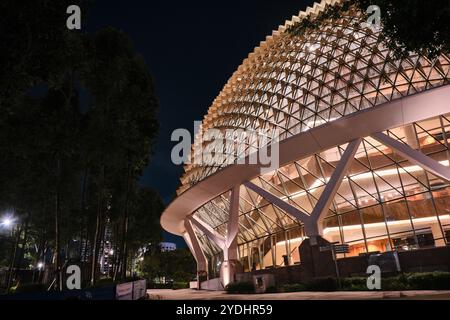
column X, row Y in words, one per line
column 297, row 81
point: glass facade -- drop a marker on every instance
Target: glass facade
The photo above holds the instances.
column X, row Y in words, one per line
column 384, row 203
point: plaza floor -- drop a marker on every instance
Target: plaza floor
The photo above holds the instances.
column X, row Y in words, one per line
column 190, row 294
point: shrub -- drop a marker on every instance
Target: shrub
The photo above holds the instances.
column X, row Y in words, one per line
column 354, row 284
column 29, row 288
column 394, row 283
column 152, row 285
column 295, row 287
column 271, row 289
column 429, row 281
column 412, row 281
column 322, row 284
column 240, row 287
column 104, row 282
column 180, row 285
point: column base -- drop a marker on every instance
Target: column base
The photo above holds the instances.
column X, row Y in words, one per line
column 201, row 276
column 228, row 271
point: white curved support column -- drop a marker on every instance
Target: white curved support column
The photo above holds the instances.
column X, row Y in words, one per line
column 208, row 231
column 196, row 250
column 230, row 262
column 320, row 210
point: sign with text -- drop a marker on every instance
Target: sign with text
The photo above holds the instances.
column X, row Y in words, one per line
column 139, row 289
column 124, row 291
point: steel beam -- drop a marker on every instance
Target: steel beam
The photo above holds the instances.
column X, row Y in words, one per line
column 283, row 205
column 414, row 156
column 335, row 182
column 208, row 231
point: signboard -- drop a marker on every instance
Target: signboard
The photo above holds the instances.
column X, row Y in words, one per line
column 124, row 291
column 139, row 289
column 337, row 248
column 342, row 248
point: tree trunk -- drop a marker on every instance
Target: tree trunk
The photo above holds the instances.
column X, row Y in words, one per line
column 24, row 243
column 124, row 250
column 56, row 253
column 13, row 258
column 95, row 249
column 116, row 251
column 39, row 255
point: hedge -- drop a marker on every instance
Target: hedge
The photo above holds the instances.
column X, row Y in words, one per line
column 240, row 287
column 408, row 281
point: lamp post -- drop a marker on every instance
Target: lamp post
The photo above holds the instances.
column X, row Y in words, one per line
column 7, row 222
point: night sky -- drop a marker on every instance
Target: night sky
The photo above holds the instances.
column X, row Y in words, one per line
column 191, row 49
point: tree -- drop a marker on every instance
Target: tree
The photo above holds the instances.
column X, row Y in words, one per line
column 178, row 265
column 69, row 169
column 123, row 125
column 413, row 25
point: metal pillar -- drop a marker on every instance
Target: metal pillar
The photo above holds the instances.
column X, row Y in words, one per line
column 314, row 227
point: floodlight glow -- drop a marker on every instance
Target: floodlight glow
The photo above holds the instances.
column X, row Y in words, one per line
column 7, row 221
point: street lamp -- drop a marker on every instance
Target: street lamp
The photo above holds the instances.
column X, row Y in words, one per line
column 7, row 222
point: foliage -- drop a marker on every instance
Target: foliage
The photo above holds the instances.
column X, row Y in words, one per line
column 29, row 288
column 271, row 289
column 240, row 287
column 180, row 285
column 407, row 25
column 78, row 127
column 177, row 265
column 413, row 25
column 294, row 287
column 152, row 285
column 309, row 24
column 429, row 281
column 354, row 284
column 407, row 281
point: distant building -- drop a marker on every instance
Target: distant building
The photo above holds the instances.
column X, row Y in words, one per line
column 167, row 246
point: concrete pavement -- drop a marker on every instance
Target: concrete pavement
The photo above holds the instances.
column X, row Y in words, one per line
column 190, row 294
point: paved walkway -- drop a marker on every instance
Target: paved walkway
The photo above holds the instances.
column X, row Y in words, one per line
column 190, row 294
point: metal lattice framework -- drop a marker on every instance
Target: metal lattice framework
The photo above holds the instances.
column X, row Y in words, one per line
column 295, row 83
